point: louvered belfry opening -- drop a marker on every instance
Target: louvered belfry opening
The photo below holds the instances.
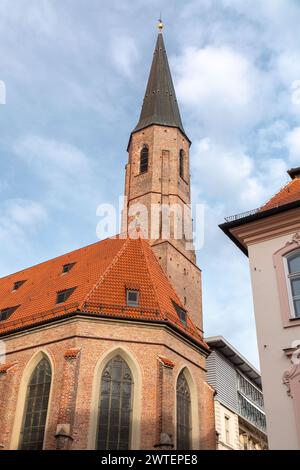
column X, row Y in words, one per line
column 144, row 160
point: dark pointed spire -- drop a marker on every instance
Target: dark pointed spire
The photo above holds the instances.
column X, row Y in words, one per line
column 160, row 104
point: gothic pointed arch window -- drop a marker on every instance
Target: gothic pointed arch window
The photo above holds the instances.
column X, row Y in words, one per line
column 36, row 407
column 184, row 419
column 181, row 163
column 115, row 406
column 144, row 159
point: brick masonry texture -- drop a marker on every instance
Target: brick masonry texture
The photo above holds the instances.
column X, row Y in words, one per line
column 162, row 184
column 71, row 395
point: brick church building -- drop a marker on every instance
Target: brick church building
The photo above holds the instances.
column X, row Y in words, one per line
column 104, row 345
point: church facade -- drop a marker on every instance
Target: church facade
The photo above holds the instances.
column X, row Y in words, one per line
column 104, row 345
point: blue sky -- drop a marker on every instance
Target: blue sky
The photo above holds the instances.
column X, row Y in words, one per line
column 75, row 74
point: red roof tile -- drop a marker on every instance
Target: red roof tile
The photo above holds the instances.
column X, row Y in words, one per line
column 166, row 362
column 289, row 193
column 71, row 353
column 101, row 274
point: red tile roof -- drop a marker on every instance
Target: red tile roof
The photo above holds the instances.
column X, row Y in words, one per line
column 71, row 353
column 101, row 274
column 289, row 193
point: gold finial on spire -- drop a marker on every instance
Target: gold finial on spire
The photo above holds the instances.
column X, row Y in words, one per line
column 160, row 24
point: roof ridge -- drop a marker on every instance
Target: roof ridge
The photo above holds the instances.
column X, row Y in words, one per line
column 176, row 296
column 161, row 271
column 150, row 275
column 106, row 272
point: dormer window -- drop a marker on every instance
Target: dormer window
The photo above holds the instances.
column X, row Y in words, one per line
column 64, row 295
column 293, row 267
column 7, row 312
column 181, row 313
column 17, row 285
column 67, row 267
column 144, row 159
column 132, row 298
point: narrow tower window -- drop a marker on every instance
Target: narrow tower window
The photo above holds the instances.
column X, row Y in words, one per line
column 181, row 163
column 114, row 426
column 183, row 414
column 36, row 407
column 144, row 159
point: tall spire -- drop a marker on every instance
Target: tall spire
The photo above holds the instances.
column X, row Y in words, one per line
column 160, row 104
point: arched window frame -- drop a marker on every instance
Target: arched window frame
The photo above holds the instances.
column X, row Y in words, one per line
column 125, row 380
column 136, row 397
column 22, row 394
column 181, row 163
column 35, row 430
column 144, row 159
column 292, row 276
column 280, row 260
column 186, row 411
column 195, row 423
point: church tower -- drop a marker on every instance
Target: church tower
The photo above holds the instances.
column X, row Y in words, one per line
column 107, row 334
column 157, row 184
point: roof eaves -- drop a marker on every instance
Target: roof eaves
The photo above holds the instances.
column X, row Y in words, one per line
column 137, row 129
column 227, row 226
column 221, row 344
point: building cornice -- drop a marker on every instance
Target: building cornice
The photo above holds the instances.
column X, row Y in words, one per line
column 263, row 226
column 97, row 317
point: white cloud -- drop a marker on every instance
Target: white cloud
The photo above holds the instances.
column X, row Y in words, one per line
column 293, row 144
column 124, row 54
column 36, row 15
column 24, row 212
column 227, row 180
column 230, row 177
column 52, row 159
column 228, row 169
column 69, row 180
column 17, row 216
column 270, row 139
column 218, row 73
column 221, row 87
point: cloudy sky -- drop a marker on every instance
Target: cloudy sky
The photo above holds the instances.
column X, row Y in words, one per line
column 75, row 73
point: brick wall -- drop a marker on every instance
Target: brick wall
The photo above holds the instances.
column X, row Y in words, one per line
column 162, row 185
column 71, row 400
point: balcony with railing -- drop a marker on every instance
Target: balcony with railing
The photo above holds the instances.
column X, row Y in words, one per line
column 242, row 215
column 251, row 403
